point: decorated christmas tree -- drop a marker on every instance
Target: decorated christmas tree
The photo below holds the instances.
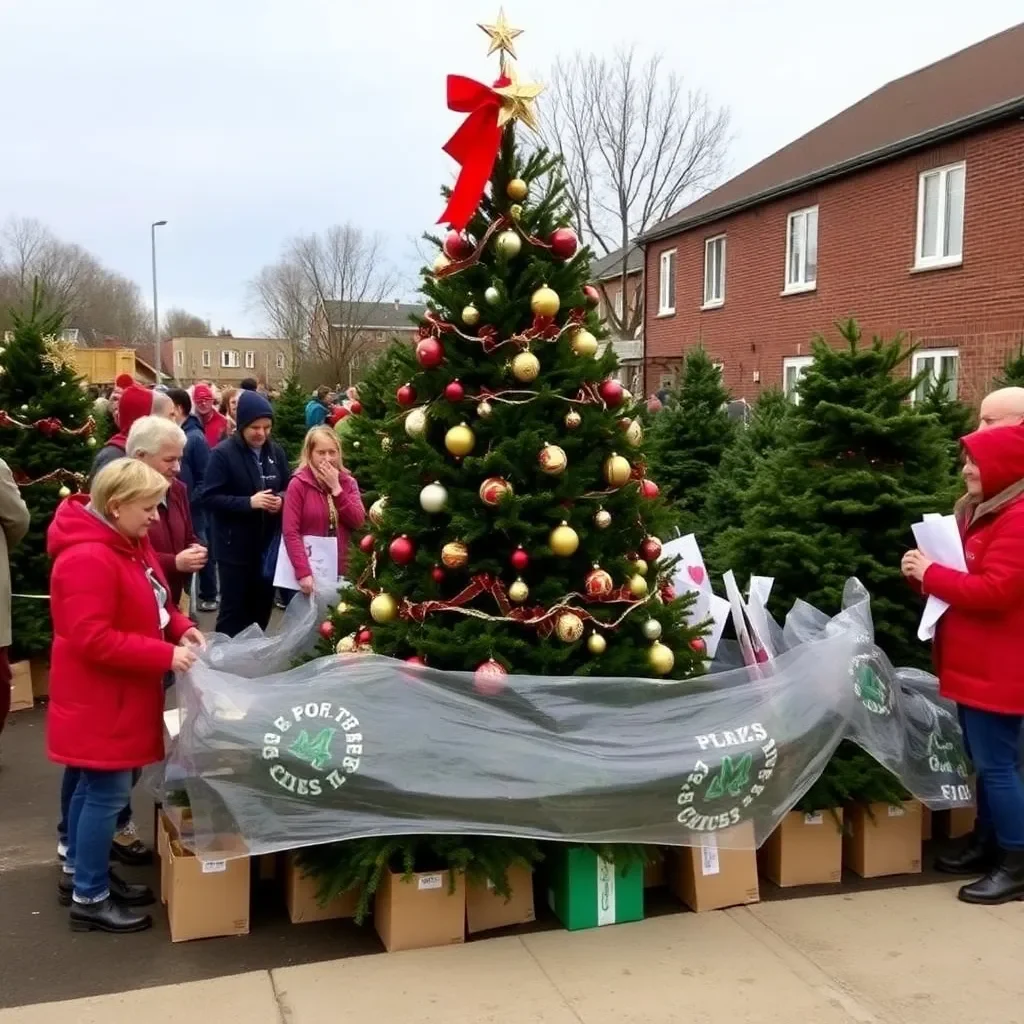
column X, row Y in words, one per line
column 290, row 418
column 46, row 437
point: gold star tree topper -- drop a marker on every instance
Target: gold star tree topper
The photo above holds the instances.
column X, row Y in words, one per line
column 502, row 36
column 516, row 97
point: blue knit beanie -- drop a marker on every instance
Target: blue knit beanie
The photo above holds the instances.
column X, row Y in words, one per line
column 252, row 406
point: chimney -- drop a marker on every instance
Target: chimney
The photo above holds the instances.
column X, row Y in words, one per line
column 397, row 304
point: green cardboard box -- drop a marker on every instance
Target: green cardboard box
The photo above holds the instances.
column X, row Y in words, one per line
column 586, row 891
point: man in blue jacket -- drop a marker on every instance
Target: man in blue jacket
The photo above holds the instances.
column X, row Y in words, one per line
column 318, row 408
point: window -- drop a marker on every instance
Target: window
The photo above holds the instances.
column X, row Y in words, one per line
column 937, row 365
column 667, row 283
column 802, row 250
column 280, row 360
column 714, row 272
column 179, row 357
column 229, row 359
column 940, row 216
column 618, row 305
column 793, row 368
column 666, row 382
column 250, row 359
column 206, row 357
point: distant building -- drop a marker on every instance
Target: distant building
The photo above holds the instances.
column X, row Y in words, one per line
column 227, row 361
column 606, row 273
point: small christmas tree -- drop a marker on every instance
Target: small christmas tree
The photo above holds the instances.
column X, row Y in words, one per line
column 955, row 417
column 46, row 437
column 290, row 418
column 1013, row 371
column 688, row 439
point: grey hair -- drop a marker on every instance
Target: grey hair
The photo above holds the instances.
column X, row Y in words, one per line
column 150, row 433
column 162, row 404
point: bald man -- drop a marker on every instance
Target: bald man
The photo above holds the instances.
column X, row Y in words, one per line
column 1002, row 408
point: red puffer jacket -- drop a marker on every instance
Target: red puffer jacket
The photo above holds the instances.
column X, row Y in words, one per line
column 979, row 646
column 109, row 653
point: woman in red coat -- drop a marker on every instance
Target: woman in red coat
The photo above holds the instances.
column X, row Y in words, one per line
column 322, row 500
column 114, row 635
column 979, row 656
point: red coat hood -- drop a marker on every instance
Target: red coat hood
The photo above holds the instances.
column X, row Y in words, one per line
column 74, row 524
column 999, row 455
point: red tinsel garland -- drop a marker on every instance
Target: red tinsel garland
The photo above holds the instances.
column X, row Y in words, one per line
column 49, row 426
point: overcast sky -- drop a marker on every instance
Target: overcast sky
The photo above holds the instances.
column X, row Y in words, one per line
column 243, row 123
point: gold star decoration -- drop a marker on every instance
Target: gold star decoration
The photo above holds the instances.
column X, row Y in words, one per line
column 502, row 36
column 517, row 100
column 60, row 355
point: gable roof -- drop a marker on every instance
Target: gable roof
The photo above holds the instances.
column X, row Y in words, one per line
column 977, row 86
column 373, row 315
column 610, row 266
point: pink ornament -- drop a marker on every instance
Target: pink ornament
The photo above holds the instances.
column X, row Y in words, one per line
column 650, row 549
column 402, row 550
column 698, row 644
column 430, row 353
column 364, row 637
column 611, row 392
column 406, row 395
column 649, row 489
column 366, row 544
column 457, row 246
column 520, row 559
column 416, row 660
column 437, row 573
column 455, row 392
column 592, row 295
column 564, row 243
column 489, row 678
column 327, row 629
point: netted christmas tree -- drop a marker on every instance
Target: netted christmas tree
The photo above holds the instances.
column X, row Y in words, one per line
column 46, row 437
column 1013, row 371
column 688, row 439
column 290, row 418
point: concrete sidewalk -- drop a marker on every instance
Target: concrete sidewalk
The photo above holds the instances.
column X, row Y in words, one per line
column 898, row 956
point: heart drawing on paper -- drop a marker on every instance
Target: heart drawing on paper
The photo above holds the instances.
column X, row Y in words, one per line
column 696, row 573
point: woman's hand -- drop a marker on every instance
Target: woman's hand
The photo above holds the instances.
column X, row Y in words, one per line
column 330, row 477
column 183, row 659
column 265, row 501
column 915, row 565
column 306, row 585
column 192, row 559
column 194, row 638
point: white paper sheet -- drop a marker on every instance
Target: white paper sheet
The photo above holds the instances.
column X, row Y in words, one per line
column 739, row 620
column 757, row 614
column 938, row 538
column 691, row 575
column 322, row 553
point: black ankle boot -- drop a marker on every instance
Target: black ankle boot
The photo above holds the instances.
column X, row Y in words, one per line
column 1003, row 884
column 108, row 916
column 978, row 854
column 125, row 893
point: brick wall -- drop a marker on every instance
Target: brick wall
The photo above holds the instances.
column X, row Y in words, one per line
column 866, row 244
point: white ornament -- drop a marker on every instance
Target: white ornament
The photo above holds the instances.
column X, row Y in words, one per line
column 433, row 498
column 416, row 422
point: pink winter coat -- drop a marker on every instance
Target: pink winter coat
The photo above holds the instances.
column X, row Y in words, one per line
column 306, row 514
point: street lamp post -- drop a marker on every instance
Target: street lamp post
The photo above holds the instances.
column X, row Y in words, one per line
column 156, row 312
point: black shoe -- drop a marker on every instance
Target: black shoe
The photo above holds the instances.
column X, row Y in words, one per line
column 129, row 849
column 206, row 606
column 107, row 916
column 978, row 854
column 1003, row 884
column 126, row 893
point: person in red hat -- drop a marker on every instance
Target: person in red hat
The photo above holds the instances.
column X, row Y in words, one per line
column 215, row 425
column 135, row 402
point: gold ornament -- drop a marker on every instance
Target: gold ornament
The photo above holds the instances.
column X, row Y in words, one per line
column 518, row 592
column 517, row 190
column 652, row 629
column 572, row 419
column 60, row 355
column 91, row 442
column 525, row 367
column 471, row 315
column 569, row 627
column 386, row 443
column 460, row 440
column 660, row 658
column 634, row 434
column 493, row 489
column 383, row 608
column 377, row 510
column 65, row 491
column 440, row 262
column 597, row 583
column 564, row 540
column 347, row 644
column 553, row 460
column 602, row 519
column 508, row 244
column 545, row 301
column 517, row 100
column 584, row 344
column 638, row 586
column 502, row 36
column 416, row 422
column 617, row 470
column 484, row 409
column 342, row 608
column 640, row 567
column 492, row 296
column 454, row 555
column 515, row 211
column 596, row 644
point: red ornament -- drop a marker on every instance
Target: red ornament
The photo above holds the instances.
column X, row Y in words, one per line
column 650, row 549
column 597, row 583
column 327, row 629
column 668, row 593
column 430, row 353
column 406, row 395
column 592, row 295
column 698, row 644
column 438, row 574
column 564, row 243
column 649, row 489
column 402, row 550
column 489, row 678
column 611, row 392
column 520, row 559
column 355, row 407
column 416, row 660
column 493, row 489
column 457, row 246
column 364, row 637
column 455, row 392
column 366, row 544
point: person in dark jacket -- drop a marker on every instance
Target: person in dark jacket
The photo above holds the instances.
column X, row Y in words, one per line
column 243, row 494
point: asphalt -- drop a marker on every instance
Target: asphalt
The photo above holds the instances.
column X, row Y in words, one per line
column 41, row 960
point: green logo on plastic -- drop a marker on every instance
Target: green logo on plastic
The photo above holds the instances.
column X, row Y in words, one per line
column 731, row 779
column 315, row 752
column 872, row 690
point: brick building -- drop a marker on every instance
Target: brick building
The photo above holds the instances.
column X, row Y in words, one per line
column 905, row 211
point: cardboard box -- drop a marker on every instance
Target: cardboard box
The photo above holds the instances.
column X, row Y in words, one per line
column 586, row 891
column 961, row 821
column 485, row 909
column 21, row 686
column 926, row 823
column 40, row 676
column 806, row 849
column 300, row 896
column 714, row 876
column 206, row 899
column 162, row 844
column 420, row 911
column 883, row 840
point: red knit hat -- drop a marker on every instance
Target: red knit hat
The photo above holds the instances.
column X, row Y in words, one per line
column 135, row 403
column 125, row 380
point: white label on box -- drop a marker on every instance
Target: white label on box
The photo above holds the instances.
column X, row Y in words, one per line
column 896, row 812
column 430, row 881
column 709, row 863
column 814, row 819
column 214, row 867
column 605, row 892
column 490, row 884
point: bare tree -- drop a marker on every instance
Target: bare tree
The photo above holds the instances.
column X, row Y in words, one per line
column 636, row 146
column 180, row 323
column 284, row 298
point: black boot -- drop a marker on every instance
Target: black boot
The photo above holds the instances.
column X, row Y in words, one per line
column 108, row 916
column 125, row 893
column 978, row 854
column 1003, row 884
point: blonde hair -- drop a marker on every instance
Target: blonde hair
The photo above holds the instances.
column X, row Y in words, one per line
column 124, row 481
column 313, row 435
column 150, row 433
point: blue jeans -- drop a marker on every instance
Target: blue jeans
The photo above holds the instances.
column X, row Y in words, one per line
column 67, row 790
column 92, row 818
column 992, row 741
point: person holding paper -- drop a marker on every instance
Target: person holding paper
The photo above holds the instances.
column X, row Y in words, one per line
column 323, row 500
column 979, row 655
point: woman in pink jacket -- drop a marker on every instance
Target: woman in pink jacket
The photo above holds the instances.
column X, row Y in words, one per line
column 322, row 500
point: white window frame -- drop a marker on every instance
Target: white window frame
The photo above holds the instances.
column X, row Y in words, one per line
column 229, row 359
column 179, row 357
column 617, row 304
column 922, row 262
column 667, row 282
column 801, row 284
column 935, row 356
column 666, row 382
column 250, row 359
column 710, row 244
column 799, row 365
column 280, row 360
column 206, row 358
